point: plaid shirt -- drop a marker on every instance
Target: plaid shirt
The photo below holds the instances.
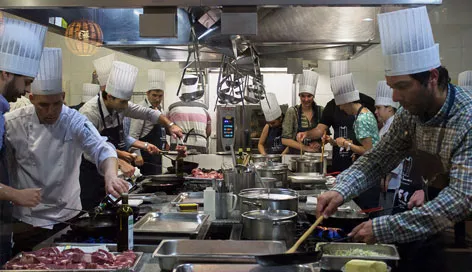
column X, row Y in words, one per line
column 454, row 203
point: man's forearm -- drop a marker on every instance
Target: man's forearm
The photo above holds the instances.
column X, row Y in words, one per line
column 6, row 192
column 109, row 167
column 164, row 121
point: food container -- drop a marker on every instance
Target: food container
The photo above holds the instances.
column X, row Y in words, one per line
column 278, row 171
column 265, row 198
column 256, row 158
column 171, row 253
column 333, row 261
column 278, row 225
column 243, row 268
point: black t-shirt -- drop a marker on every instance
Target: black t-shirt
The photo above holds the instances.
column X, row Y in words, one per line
column 342, row 125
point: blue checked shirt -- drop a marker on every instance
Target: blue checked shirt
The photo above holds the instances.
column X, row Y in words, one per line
column 453, row 204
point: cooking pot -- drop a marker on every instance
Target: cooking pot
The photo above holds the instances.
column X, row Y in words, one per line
column 265, row 198
column 264, row 158
column 277, row 171
column 306, row 164
column 270, row 225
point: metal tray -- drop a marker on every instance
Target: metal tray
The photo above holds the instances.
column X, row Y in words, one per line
column 190, row 197
column 190, row 177
column 329, row 261
column 242, row 268
column 180, row 223
column 173, row 252
column 132, row 268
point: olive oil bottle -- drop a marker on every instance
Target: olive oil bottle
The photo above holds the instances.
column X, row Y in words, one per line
column 125, row 225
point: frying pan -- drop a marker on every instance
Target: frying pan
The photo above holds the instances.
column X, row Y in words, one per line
column 186, row 168
column 290, row 257
column 94, row 225
column 161, row 183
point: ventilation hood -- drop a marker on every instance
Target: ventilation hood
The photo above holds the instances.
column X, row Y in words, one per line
column 311, row 30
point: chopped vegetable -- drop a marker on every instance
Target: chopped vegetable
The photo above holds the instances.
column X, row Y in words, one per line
column 357, row 252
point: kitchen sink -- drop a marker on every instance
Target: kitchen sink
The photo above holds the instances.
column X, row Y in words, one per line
column 223, row 231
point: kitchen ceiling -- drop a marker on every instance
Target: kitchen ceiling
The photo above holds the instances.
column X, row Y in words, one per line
column 312, row 32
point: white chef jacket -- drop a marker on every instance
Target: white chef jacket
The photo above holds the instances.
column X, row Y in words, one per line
column 396, row 177
column 92, row 112
column 21, row 102
column 140, row 128
column 48, row 157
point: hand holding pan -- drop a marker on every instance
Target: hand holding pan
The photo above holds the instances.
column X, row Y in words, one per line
column 290, row 257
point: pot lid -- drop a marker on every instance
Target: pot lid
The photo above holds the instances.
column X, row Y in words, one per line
column 270, row 214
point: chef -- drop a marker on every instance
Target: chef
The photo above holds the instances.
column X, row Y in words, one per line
column 89, row 91
column 270, row 141
column 303, row 117
column 433, row 127
column 192, row 115
column 18, row 69
column 106, row 113
column 342, row 123
column 148, row 132
column 385, row 109
column 46, row 141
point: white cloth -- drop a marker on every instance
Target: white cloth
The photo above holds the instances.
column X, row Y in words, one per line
column 21, row 102
column 103, row 68
column 49, row 78
column 189, row 84
column 122, row 79
column 395, row 181
column 156, row 79
column 308, row 82
column 49, row 157
column 465, row 80
column 407, row 42
column 89, row 91
column 344, row 90
column 21, row 46
column 140, row 128
column 384, row 95
column 92, row 112
column 270, row 107
column 338, row 68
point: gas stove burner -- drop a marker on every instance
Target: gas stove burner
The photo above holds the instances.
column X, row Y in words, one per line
column 320, row 234
column 74, row 237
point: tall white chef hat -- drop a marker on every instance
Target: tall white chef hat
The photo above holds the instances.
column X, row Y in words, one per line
column 89, row 91
column 384, row 95
column 344, row 90
column 156, row 79
column 103, row 67
column 270, row 107
column 308, row 81
column 465, row 80
column 407, row 42
column 122, row 79
column 189, row 84
column 49, row 78
column 338, row 68
column 21, row 46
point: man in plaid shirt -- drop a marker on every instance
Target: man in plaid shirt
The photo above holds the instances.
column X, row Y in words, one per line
column 434, row 127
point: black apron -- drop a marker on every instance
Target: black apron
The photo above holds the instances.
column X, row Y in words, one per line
column 427, row 254
column 273, row 143
column 92, row 184
column 6, row 218
column 343, row 127
column 316, row 116
column 410, row 181
column 153, row 163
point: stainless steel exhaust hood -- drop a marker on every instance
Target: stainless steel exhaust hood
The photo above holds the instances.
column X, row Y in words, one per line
column 309, row 29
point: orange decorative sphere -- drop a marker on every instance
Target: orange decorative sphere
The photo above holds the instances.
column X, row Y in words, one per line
column 84, row 36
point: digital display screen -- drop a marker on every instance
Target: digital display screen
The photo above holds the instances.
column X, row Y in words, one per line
column 228, row 127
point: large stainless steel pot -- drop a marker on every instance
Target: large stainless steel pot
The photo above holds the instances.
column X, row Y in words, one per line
column 264, row 158
column 270, row 225
column 277, row 171
column 307, row 165
column 268, row 198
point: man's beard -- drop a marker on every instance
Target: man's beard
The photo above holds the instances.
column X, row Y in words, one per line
column 11, row 93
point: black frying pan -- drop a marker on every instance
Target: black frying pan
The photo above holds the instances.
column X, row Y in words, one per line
column 288, row 259
column 94, row 225
column 161, row 183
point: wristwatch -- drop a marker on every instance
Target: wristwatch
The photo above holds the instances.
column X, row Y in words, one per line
column 171, row 124
column 349, row 146
column 146, row 144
